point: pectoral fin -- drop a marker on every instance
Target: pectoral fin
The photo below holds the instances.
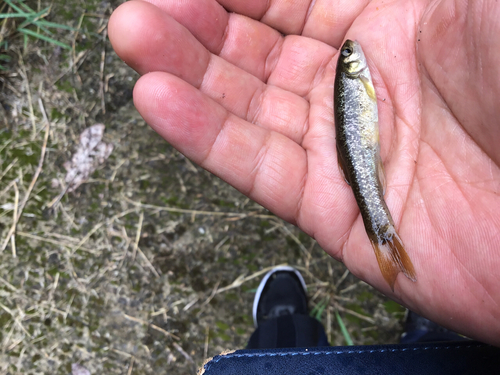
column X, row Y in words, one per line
column 370, row 90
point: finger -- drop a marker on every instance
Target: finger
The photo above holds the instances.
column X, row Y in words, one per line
column 264, row 165
column 156, row 42
column 293, row 64
column 323, row 20
column 206, row 19
column 329, row 20
column 239, row 92
column 248, row 44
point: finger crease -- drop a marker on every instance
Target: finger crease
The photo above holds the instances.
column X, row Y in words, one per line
column 220, row 47
column 347, row 236
column 221, row 130
column 253, row 110
column 320, row 73
column 268, row 5
column 308, row 13
column 273, row 57
column 305, row 126
column 209, row 65
column 261, row 156
column 303, row 183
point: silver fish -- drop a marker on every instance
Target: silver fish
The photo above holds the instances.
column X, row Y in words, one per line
column 358, row 151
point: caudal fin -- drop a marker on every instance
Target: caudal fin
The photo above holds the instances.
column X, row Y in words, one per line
column 393, row 259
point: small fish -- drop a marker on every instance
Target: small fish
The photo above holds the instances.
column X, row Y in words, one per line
column 358, row 152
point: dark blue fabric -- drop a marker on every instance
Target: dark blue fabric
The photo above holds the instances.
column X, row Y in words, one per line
column 465, row 357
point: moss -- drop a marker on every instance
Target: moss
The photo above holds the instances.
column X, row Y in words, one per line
column 393, row 307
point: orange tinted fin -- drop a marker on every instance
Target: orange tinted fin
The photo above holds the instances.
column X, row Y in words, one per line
column 341, row 167
column 393, row 259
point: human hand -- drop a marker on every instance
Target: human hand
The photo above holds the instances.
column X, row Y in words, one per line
column 255, row 108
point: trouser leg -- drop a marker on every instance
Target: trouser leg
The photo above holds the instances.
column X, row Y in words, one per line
column 288, row 331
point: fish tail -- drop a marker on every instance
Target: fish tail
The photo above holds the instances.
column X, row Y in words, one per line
column 393, row 259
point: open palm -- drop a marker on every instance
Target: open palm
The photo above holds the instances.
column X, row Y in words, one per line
column 255, row 108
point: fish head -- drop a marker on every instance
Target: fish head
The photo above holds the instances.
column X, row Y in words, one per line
column 352, row 58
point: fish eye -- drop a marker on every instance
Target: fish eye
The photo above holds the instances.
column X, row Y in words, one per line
column 347, row 51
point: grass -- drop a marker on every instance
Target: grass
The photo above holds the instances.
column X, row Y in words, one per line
column 27, row 22
column 149, row 265
column 343, row 329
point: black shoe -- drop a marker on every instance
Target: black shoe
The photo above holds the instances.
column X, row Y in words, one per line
column 282, row 291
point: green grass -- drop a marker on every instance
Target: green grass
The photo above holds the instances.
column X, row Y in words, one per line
column 28, row 23
column 343, row 329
